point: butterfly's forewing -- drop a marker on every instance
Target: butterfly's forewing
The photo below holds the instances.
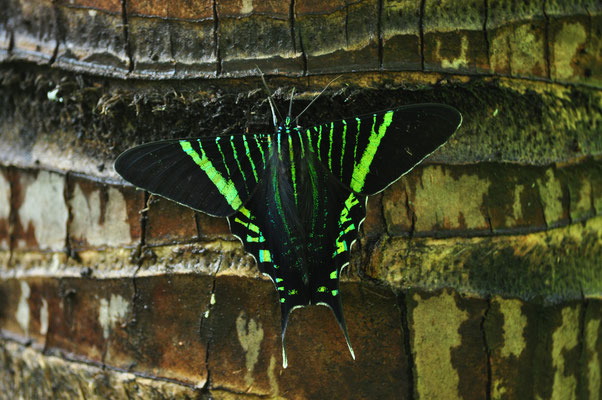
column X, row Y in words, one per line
column 368, row 153
column 215, row 175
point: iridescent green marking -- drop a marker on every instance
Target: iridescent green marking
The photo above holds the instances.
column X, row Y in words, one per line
column 361, row 169
column 301, row 142
column 278, row 280
column 322, row 289
column 344, row 143
column 224, row 186
column 349, row 203
column 258, row 239
column 282, row 300
column 245, row 211
column 281, row 288
column 319, row 141
column 334, row 292
column 341, row 245
column 250, row 226
column 309, row 142
column 334, row 274
column 357, row 136
column 292, row 292
column 265, row 256
column 330, row 146
column 219, row 148
column 345, row 219
column 260, row 148
column 244, row 139
column 279, row 145
column 238, row 162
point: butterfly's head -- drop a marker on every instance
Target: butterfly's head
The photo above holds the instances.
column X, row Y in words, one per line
column 285, row 126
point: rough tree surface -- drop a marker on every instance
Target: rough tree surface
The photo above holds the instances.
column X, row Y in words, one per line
column 478, row 275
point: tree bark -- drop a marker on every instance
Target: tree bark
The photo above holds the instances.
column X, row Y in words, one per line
column 477, row 275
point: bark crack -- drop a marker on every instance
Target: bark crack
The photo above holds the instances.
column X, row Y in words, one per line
column 582, row 346
column 488, row 217
column 546, row 38
column 379, row 32
column 11, row 42
column 486, row 33
column 197, row 224
column 126, row 36
column 402, row 303
column 204, row 317
column 55, row 51
column 139, row 258
column 410, row 213
column 291, row 19
column 303, row 54
column 568, row 202
column 346, row 26
column 421, row 32
column 68, row 248
column 218, row 56
column 487, row 351
column 12, row 214
column 82, row 361
column 543, row 210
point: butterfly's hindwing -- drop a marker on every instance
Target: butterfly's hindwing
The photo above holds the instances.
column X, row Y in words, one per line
column 368, row 153
column 215, row 175
column 267, row 234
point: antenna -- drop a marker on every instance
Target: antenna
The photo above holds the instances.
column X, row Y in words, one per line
column 270, row 100
column 315, row 98
column 290, row 105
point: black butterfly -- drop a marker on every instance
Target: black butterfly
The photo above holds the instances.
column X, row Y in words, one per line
column 296, row 197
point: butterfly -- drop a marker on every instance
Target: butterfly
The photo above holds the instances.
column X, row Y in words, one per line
column 295, row 197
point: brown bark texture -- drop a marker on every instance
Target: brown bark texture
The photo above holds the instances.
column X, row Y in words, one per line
column 478, row 275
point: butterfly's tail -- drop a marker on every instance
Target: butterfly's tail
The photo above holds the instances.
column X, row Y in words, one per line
column 331, row 297
column 286, row 307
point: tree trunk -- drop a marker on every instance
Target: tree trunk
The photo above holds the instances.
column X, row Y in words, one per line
column 478, row 275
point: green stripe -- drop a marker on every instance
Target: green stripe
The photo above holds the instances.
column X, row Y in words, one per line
column 260, row 149
column 357, row 136
column 245, row 211
column 310, row 144
column 217, row 139
column 361, row 169
column 224, row 186
column 319, row 141
column 238, row 162
column 301, row 141
column 330, row 147
column 244, row 139
column 344, row 142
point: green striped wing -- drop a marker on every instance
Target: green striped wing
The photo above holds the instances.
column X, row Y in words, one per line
column 368, row 153
column 214, row 175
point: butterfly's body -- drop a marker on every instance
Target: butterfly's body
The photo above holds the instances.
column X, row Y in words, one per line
column 297, row 197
